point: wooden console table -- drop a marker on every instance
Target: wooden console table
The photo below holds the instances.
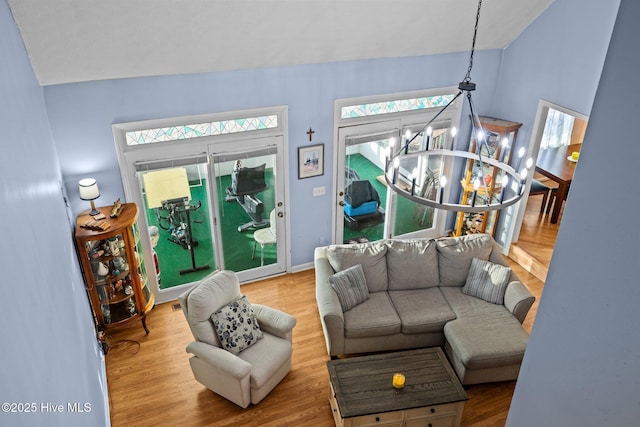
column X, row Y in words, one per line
column 361, row 391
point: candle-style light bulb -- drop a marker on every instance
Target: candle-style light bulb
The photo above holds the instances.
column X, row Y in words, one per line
column 454, row 132
column 429, row 132
column 523, row 178
column 476, row 186
column 396, row 165
column 412, row 176
column 443, row 183
column 480, row 136
column 521, row 152
column 503, row 150
column 529, row 163
column 504, row 182
column 407, row 137
column 391, row 148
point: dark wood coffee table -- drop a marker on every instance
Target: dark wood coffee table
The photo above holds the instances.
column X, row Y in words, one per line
column 361, row 391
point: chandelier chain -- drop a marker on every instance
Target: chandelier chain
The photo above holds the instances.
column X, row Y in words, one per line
column 467, row 78
column 511, row 180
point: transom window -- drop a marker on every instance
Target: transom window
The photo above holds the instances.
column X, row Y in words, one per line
column 199, row 130
column 395, row 106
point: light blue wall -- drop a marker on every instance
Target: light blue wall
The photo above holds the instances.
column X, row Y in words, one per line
column 581, row 365
column 558, row 58
column 49, row 352
column 583, row 358
column 81, row 116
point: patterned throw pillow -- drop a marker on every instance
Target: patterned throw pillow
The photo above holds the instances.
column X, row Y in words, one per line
column 351, row 287
column 487, row 281
column 236, row 325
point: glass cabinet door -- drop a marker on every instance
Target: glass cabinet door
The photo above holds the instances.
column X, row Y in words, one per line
column 113, row 267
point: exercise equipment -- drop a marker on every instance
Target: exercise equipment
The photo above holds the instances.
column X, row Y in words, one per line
column 178, row 223
column 246, row 183
column 362, row 205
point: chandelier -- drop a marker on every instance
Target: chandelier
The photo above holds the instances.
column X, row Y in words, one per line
column 493, row 185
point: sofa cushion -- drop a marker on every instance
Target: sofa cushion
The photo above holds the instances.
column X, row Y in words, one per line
column 487, row 281
column 370, row 255
column 421, row 310
column 236, row 325
column 455, row 255
column 466, row 306
column 375, row 317
column 412, row 264
column 351, row 287
column 487, row 343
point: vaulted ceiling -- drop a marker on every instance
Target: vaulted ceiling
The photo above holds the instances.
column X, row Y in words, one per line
column 84, row 40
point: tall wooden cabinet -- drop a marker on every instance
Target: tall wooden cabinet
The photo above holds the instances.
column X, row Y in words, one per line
column 485, row 222
column 113, row 266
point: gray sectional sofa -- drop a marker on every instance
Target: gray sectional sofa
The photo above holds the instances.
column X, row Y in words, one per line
column 421, row 293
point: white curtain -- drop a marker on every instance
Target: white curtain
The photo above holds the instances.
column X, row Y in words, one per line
column 557, row 129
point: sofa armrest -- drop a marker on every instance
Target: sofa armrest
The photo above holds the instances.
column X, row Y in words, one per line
column 274, row 321
column 331, row 316
column 220, row 359
column 518, row 300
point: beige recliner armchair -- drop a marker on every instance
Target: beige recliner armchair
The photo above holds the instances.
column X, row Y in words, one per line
column 251, row 374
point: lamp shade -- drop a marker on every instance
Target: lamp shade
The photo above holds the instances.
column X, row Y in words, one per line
column 89, row 189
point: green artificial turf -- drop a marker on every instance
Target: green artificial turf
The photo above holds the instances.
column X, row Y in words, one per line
column 238, row 246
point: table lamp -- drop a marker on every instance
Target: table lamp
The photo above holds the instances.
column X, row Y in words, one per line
column 89, row 191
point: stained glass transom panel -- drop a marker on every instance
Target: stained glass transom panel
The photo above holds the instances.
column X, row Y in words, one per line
column 386, row 107
column 199, row 130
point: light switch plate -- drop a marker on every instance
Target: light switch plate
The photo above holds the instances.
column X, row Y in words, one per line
column 318, row 191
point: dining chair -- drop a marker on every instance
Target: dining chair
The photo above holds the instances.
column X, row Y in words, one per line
column 265, row 236
column 548, row 194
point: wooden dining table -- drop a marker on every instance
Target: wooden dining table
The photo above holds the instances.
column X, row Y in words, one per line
column 555, row 165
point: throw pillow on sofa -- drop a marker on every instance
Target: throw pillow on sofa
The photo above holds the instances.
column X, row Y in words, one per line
column 236, row 325
column 487, row 281
column 455, row 255
column 351, row 287
column 371, row 256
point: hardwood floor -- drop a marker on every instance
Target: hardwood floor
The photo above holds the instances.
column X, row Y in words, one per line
column 150, row 382
column 534, row 247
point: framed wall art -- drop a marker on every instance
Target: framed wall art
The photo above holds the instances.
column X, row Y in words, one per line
column 310, row 161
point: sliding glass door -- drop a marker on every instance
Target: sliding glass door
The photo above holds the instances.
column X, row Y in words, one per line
column 362, row 197
column 369, row 131
column 211, row 192
column 365, row 209
column 176, row 206
column 249, row 205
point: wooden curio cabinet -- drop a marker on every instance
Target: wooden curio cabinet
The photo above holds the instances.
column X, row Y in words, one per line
column 485, row 222
column 113, row 267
